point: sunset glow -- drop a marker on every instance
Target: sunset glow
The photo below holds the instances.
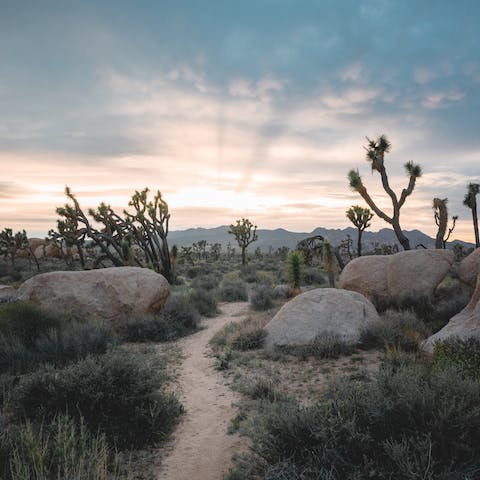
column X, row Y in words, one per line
column 258, row 109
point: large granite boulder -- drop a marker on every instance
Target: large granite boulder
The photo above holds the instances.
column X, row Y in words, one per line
column 320, row 312
column 469, row 269
column 106, row 293
column 412, row 273
column 463, row 325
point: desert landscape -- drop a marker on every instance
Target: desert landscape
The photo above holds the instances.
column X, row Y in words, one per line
column 239, row 240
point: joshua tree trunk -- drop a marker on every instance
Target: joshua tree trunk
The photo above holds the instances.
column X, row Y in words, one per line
column 359, row 242
column 475, row 224
column 244, row 256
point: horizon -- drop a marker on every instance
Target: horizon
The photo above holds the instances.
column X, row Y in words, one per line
column 255, row 109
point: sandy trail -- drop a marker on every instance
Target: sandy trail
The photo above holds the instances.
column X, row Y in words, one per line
column 201, row 448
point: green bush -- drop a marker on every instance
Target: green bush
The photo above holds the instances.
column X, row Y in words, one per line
column 463, row 354
column 26, row 321
column 65, row 449
column 296, row 265
column 408, row 423
column 262, row 298
column 231, row 290
column 402, row 329
column 248, row 273
column 117, row 393
column 261, row 388
column 204, row 301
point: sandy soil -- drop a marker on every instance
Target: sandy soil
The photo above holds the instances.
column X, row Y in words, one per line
column 201, row 448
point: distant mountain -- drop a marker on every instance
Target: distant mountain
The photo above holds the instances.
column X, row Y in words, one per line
column 281, row 237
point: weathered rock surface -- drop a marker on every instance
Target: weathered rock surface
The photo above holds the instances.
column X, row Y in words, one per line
column 464, row 325
column 106, row 293
column 320, row 312
column 469, row 269
column 368, row 276
column 7, row 293
column 412, row 273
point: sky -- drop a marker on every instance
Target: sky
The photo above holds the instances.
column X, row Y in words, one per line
column 252, row 108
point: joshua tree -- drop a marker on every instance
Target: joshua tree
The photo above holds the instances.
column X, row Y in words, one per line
column 376, row 150
column 441, row 219
column 10, row 243
column 245, row 233
column 215, row 250
column 360, row 217
column 295, row 270
column 329, row 262
column 470, row 201
column 146, row 227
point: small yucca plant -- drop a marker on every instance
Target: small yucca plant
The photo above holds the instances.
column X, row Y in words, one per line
column 296, row 264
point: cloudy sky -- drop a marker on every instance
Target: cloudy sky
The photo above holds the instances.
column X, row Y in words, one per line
column 254, row 108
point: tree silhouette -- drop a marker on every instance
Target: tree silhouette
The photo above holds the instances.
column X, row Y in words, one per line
column 470, row 201
column 360, row 217
column 376, row 150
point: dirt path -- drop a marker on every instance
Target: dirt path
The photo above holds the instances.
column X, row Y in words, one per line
column 201, row 448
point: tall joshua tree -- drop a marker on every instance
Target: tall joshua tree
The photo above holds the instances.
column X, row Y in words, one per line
column 376, row 150
column 245, row 233
column 360, row 217
column 470, row 201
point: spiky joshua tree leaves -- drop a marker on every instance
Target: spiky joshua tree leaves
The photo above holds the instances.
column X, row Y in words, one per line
column 360, row 217
column 376, row 150
column 144, row 227
column 470, row 201
column 296, row 265
column 245, row 233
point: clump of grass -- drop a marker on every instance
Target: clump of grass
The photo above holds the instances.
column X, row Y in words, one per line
column 64, row 342
column 329, row 345
column 402, row 329
column 233, row 290
column 118, row 394
column 27, row 322
column 246, row 335
column 262, row 388
column 282, row 292
column 64, row 449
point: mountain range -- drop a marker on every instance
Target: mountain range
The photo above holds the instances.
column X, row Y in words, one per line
column 280, row 237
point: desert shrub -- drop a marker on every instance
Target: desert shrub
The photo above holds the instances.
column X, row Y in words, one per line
column 179, row 311
column 395, row 328
column 26, row 321
column 117, row 393
column 248, row 339
column 313, row 276
column 282, row 292
column 246, row 335
column 261, row 388
column 463, row 354
column 231, row 290
column 408, row 423
column 204, row 301
column 65, row 449
column 262, row 298
column 248, row 273
column 59, row 345
column 205, row 282
column 323, row 346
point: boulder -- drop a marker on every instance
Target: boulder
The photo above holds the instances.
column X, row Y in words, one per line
column 320, row 312
column 412, row 273
column 463, row 325
column 105, row 293
column 368, row 276
column 469, row 269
